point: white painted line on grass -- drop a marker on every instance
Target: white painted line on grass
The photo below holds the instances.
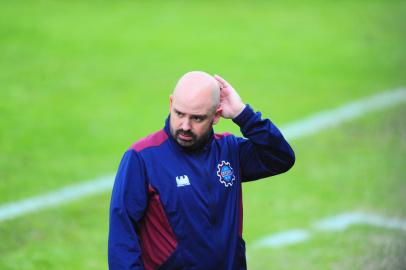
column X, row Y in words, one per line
column 341, row 222
column 297, row 129
column 282, row 239
column 63, row 195
column 334, row 223
column 326, row 119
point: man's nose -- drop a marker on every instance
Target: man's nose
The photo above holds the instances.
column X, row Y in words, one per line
column 186, row 125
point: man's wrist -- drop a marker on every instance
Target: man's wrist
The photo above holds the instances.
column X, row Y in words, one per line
column 239, row 111
column 246, row 114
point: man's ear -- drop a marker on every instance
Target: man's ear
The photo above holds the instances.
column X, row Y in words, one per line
column 217, row 115
column 170, row 103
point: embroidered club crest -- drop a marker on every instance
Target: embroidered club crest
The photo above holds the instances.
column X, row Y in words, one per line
column 225, row 173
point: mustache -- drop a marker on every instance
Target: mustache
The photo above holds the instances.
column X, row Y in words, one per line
column 186, row 133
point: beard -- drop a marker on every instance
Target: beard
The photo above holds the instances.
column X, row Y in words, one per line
column 193, row 141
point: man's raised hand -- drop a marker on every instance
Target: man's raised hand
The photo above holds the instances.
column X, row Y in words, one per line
column 230, row 101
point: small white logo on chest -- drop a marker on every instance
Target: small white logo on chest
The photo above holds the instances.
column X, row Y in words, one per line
column 182, row 180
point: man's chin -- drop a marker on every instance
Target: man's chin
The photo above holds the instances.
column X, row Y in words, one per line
column 193, row 144
column 189, row 144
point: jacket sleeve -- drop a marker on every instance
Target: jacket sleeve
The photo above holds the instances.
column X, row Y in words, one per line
column 127, row 206
column 264, row 151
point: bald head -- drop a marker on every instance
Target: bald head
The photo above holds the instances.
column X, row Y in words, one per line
column 194, row 107
column 197, row 89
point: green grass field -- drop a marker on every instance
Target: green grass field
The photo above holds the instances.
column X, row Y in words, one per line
column 80, row 81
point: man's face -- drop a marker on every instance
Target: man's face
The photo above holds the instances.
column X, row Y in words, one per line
column 191, row 127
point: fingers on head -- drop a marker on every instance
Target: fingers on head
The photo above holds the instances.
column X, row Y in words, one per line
column 220, row 80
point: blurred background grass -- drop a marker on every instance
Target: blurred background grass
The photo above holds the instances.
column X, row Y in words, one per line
column 81, row 80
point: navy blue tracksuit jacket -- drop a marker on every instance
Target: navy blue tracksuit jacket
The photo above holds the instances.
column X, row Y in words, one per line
column 176, row 209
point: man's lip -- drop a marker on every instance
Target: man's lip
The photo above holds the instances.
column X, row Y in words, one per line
column 185, row 137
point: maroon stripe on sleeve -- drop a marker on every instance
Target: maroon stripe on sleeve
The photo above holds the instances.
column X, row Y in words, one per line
column 157, row 238
column 241, row 215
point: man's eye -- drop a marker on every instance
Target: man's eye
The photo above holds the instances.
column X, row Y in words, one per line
column 198, row 119
column 179, row 114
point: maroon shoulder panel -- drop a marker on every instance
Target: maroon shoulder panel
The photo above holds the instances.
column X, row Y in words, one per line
column 157, row 238
column 154, row 139
column 221, row 135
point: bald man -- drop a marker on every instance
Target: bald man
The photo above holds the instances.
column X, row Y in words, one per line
column 177, row 200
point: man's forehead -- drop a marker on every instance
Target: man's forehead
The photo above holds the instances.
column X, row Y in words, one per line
column 194, row 108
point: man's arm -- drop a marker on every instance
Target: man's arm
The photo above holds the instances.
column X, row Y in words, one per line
column 128, row 203
column 265, row 152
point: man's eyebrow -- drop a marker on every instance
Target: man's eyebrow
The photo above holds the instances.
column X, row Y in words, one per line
column 200, row 115
column 177, row 111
